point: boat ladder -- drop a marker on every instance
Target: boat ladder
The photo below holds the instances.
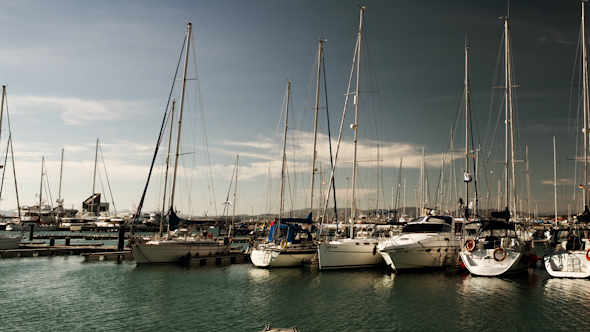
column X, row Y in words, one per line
column 267, row 256
column 573, row 263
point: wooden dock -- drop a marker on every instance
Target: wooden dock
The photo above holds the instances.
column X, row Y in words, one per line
column 36, row 250
column 98, row 252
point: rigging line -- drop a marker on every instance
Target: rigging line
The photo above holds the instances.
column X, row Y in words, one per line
column 487, row 145
column 572, row 128
column 203, row 124
column 329, row 136
column 229, row 189
column 160, row 136
column 269, row 174
column 47, row 189
column 4, row 171
column 107, row 176
column 342, row 122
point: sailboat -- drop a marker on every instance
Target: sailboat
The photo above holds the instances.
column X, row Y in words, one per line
column 9, row 242
column 288, row 243
column 354, row 251
column 40, row 216
column 570, row 257
column 497, row 246
column 179, row 242
column 429, row 241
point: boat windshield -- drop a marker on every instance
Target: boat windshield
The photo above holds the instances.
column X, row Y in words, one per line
column 426, row 228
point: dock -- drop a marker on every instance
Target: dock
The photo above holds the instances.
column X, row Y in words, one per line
column 41, row 250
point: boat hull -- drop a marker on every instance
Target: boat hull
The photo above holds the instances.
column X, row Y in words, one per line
column 175, row 252
column 276, row 256
column 9, row 242
column 568, row 264
column 349, row 253
column 420, row 257
column 481, row 262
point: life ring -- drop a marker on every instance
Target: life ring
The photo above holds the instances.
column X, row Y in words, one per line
column 588, row 254
column 283, row 244
column 503, row 254
column 470, row 244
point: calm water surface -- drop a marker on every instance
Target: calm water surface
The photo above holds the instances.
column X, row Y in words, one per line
column 68, row 294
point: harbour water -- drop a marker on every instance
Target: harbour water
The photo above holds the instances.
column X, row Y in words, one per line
column 64, row 293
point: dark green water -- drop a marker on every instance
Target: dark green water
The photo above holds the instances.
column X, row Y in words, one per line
column 68, row 294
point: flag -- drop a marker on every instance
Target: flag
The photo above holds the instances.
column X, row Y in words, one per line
column 581, row 186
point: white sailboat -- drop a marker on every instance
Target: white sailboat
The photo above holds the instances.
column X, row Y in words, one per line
column 355, row 251
column 288, row 244
column 9, row 242
column 496, row 246
column 179, row 242
column 570, row 257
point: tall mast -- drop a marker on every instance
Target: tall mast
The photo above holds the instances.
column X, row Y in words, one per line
column 555, row 177
column 167, row 167
column 14, row 173
column 353, row 210
column 187, row 43
column 528, row 184
column 95, row 163
column 2, row 105
column 315, row 126
column 284, row 150
column 509, row 158
column 59, row 201
column 466, row 130
column 235, row 192
column 585, row 101
column 41, row 186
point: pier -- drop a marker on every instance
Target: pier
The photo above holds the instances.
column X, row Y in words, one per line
column 37, row 250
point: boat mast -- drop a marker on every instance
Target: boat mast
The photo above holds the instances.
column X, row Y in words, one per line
column 166, row 173
column 188, row 38
column 585, row 101
column 14, row 174
column 235, row 192
column 59, row 200
column 2, row 105
column 528, row 184
column 315, row 126
column 41, row 187
column 94, row 179
column 466, row 130
column 354, row 127
column 509, row 160
column 11, row 153
column 284, row 151
column 555, row 177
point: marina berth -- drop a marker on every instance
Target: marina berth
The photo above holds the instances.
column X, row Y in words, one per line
column 426, row 242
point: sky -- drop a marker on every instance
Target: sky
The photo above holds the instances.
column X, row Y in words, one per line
column 77, row 71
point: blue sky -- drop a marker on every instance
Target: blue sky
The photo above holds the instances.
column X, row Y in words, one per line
column 78, row 71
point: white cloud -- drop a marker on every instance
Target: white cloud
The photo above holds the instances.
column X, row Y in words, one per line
column 76, row 111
